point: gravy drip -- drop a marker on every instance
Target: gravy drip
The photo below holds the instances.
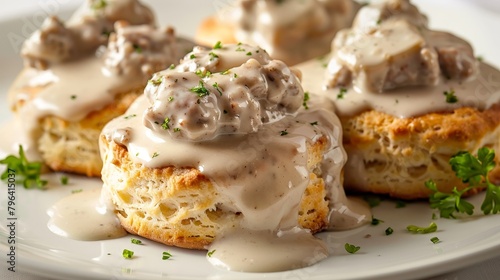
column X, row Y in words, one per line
column 85, row 216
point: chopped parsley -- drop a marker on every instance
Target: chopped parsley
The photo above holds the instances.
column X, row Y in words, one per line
column 372, row 200
column 157, row 81
column 77, row 191
column 203, row 73
column 64, row 180
column 480, row 58
column 341, row 93
column 172, row 66
column 240, row 49
column 212, row 55
column 137, row 48
column 176, row 129
column 235, row 75
column 170, row 98
column 127, row 254
column 166, row 123
column 376, row 221
column 306, row 98
column 192, row 56
column 450, row 96
column 73, row 97
column 218, row 45
column 249, row 53
column 166, row 255
column 200, row 90
column 416, row 229
column 400, row 204
column 473, row 170
column 136, row 241
column 351, row 249
column 210, row 253
column 226, row 72
column 216, row 86
column 155, row 154
column 435, row 240
column 99, row 4
column 389, row 231
column 25, row 171
column 130, row 116
column 283, row 132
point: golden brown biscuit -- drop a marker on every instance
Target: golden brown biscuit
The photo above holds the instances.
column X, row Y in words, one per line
column 181, row 207
column 395, row 156
column 74, row 146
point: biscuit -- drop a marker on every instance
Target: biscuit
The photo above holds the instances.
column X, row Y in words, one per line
column 395, row 156
column 180, row 206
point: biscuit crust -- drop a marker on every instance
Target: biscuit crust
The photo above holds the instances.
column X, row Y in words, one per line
column 395, row 156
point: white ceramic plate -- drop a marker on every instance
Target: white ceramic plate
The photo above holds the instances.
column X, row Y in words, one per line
column 400, row 255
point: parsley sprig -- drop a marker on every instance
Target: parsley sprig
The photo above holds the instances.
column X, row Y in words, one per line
column 474, row 171
column 27, row 172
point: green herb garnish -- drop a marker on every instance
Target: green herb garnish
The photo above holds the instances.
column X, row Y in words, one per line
column 376, row 221
column 157, row 81
column 435, row 240
column 192, row 56
column 99, row 4
column 341, row 93
column 127, row 254
column 216, row 86
column 212, row 55
column 474, row 171
column 389, row 231
column 351, row 249
column 450, row 96
column 77, row 191
column 73, row 97
column 64, row 180
column 136, row 241
column 306, row 98
column 200, row 90
column 283, row 132
column 218, row 45
column 137, row 48
column 166, row 123
column 155, row 154
column 400, row 204
column 210, row 253
column 416, row 229
column 130, row 116
column 27, row 172
column 249, row 53
column 372, row 200
column 166, row 255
